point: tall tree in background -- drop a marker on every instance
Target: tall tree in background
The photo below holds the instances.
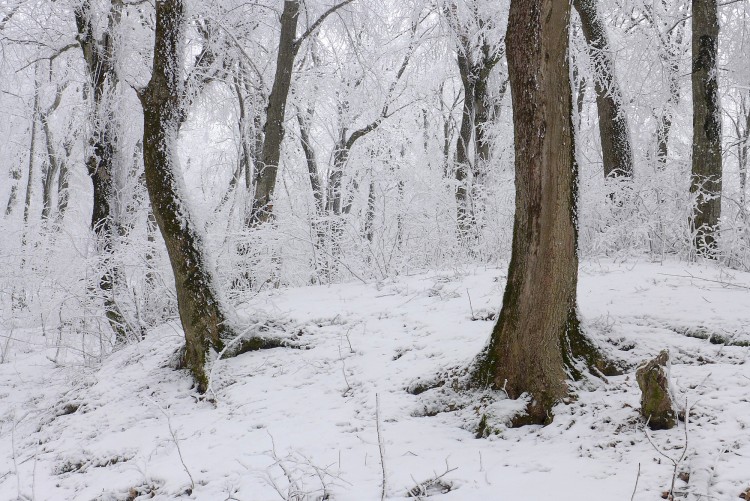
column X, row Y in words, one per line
column 274, row 128
column 706, row 172
column 538, row 337
column 614, row 133
column 477, row 55
column 101, row 158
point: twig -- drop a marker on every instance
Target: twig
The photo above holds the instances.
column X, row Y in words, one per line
column 420, row 488
column 176, row 443
column 381, row 446
column 343, row 371
column 470, row 305
column 675, row 462
column 637, row 477
column 728, row 284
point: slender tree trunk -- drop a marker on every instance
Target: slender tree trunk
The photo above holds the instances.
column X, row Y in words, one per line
column 15, row 175
column 53, row 160
column 538, row 334
column 484, row 116
column 32, row 150
column 463, row 148
column 274, row 129
column 670, row 55
column 706, row 171
column 201, row 314
column 370, row 212
column 62, row 185
column 743, row 146
column 53, row 171
column 614, row 132
column 311, row 160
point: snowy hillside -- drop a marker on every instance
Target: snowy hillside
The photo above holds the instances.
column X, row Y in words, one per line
column 303, row 423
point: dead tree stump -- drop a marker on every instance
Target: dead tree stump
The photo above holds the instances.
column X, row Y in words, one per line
column 656, row 398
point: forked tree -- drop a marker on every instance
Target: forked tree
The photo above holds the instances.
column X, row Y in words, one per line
column 537, row 343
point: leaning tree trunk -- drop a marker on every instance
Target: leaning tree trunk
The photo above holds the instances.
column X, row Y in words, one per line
column 202, row 317
column 265, row 185
column 614, row 133
column 706, row 172
column 537, row 337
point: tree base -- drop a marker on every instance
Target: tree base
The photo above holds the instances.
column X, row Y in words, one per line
column 581, row 358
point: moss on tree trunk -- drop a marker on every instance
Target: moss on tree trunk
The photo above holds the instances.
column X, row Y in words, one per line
column 201, row 314
column 537, row 343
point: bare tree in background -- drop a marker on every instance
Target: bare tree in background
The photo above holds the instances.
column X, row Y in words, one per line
column 707, row 162
column 614, row 132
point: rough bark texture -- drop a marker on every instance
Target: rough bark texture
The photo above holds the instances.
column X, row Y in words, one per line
column 656, row 400
column 201, row 315
column 537, row 334
column 706, row 172
column 614, row 133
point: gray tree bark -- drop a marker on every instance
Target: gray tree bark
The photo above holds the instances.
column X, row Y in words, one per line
column 707, row 162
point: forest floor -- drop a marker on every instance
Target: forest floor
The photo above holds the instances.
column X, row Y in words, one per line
column 325, row 421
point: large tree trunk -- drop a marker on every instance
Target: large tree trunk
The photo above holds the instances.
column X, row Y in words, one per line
column 537, row 336
column 201, row 315
column 274, row 129
column 706, row 172
column 614, row 133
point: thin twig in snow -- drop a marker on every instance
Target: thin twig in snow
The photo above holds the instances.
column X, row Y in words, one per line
column 381, row 446
column 635, row 487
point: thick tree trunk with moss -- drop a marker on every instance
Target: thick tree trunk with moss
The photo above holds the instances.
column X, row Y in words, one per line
column 617, row 155
column 537, row 341
column 706, row 172
column 201, row 315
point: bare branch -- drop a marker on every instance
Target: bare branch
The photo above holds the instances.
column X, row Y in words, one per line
column 314, row 26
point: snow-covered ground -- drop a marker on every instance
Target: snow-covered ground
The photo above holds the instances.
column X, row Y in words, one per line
column 303, row 423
